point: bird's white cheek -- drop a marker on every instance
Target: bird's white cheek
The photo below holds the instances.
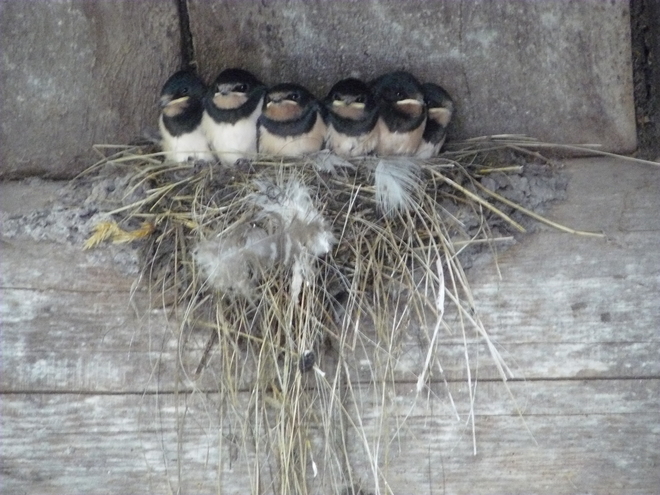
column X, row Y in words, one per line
column 231, row 142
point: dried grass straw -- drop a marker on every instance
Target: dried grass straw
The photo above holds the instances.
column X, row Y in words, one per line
column 294, row 283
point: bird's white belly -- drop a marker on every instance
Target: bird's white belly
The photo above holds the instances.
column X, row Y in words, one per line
column 293, row 145
column 231, row 142
column 191, row 146
column 348, row 146
column 398, row 143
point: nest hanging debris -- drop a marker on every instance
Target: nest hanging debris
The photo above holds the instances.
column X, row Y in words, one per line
column 274, row 266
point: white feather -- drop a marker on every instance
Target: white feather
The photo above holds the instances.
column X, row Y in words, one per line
column 326, row 161
column 428, row 150
column 397, row 182
column 232, row 261
column 231, row 142
column 287, row 232
column 191, row 146
column 292, row 203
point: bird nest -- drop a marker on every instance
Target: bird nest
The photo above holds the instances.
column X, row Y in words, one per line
column 293, row 281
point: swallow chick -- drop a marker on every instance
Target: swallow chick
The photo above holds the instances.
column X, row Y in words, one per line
column 402, row 113
column 291, row 123
column 352, row 114
column 440, row 108
column 182, row 138
column 231, row 109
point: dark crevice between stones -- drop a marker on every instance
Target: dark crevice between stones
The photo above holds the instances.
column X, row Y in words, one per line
column 645, row 19
column 187, row 45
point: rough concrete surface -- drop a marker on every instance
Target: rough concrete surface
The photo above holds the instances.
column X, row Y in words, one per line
column 78, row 73
column 560, row 71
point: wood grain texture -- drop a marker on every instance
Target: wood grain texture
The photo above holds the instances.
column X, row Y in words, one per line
column 97, row 397
column 573, row 437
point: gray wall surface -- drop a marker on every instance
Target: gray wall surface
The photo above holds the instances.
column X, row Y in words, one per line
column 559, row 71
column 76, row 73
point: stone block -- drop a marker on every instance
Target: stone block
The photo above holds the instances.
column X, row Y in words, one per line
column 76, row 73
column 558, row 71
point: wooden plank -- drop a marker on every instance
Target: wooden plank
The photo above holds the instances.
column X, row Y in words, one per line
column 579, row 454
column 588, row 310
column 123, row 444
column 610, row 195
column 582, row 294
column 72, row 333
column 58, row 341
column 58, row 267
column 68, row 329
column 575, row 437
column 81, row 341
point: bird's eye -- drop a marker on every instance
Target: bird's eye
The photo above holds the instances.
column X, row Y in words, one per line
column 400, row 94
column 294, row 97
column 336, row 97
column 241, row 88
column 184, row 91
column 359, row 99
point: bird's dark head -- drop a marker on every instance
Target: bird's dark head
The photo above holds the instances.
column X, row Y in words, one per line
column 234, row 87
column 400, row 90
column 351, row 99
column 179, row 91
column 438, row 102
column 287, row 101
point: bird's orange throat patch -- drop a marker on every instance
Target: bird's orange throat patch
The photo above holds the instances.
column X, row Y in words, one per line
column 283, row 111
column 176, row 107
column 441, row 115
column 230, row 101
column 411, row 107
column 352, row 111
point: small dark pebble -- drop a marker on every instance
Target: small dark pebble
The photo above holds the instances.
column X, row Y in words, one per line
column 307, row 361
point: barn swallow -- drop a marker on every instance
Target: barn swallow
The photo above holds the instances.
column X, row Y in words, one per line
column 402, row 113
column 231, row 109
column 440, row 109
column 352, row 114
column 292, row 122
column 180, row 120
